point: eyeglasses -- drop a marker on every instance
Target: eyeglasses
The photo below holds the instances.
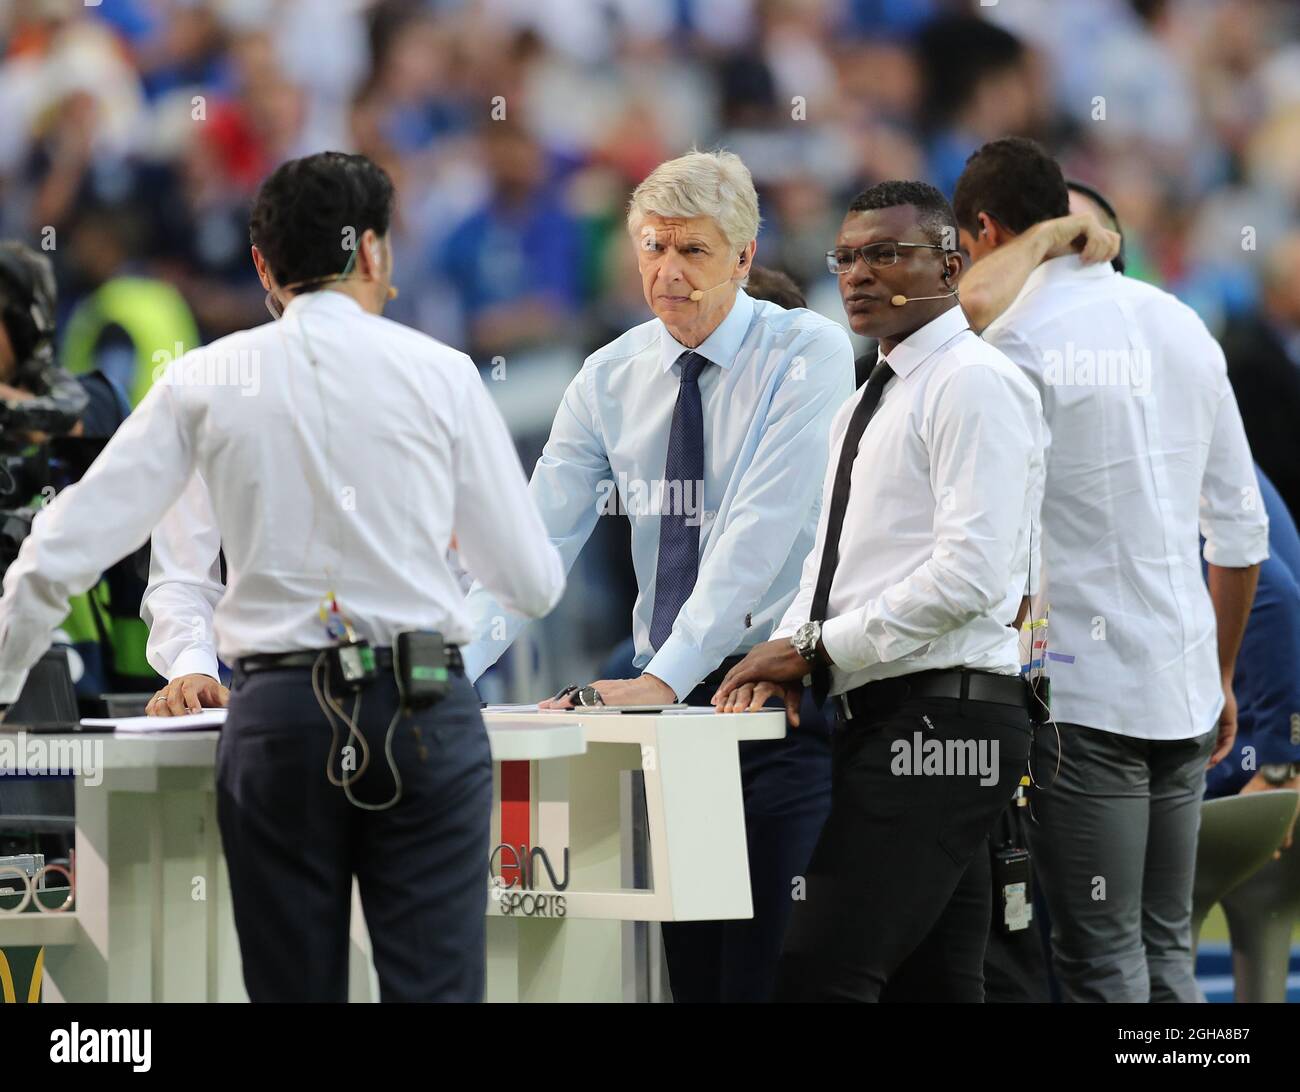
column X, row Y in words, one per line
column 877, row 256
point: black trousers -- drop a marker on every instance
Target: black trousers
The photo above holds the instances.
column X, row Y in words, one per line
column 898, row 897
column 786, row 788
column 293, row 842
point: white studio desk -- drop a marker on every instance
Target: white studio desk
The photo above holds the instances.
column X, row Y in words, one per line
column 153, row 920
column 573, row 945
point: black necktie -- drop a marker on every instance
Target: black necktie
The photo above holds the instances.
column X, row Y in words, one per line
column 866, row 407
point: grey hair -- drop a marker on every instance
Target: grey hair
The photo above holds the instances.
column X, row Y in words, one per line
column 713, row 184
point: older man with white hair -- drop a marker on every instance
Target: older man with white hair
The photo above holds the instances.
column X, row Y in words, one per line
column 711, row 422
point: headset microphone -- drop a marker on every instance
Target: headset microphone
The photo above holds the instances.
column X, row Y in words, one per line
column 900, row 299
column 699, row 294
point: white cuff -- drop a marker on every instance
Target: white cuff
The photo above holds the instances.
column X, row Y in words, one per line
column 194, row 661
column 845, row 644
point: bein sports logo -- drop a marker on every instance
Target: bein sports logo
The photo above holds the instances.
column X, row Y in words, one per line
column 516, row 895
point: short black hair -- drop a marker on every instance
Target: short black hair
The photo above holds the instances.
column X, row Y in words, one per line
column 1013, row 180
column 933, row 212
column 775, row 287
column 1119, row 262
column 310, row 214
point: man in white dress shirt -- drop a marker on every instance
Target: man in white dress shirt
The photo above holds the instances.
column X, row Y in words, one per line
column 339, row 450
column 903, row 613
column 1146, row 452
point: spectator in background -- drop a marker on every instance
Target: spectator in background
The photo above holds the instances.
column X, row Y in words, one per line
column 979, row 83
column 412, row 95
column 1266, row 754
column 775, row 287
column 124, row 320
column 254, row 126
column 1263, row 351
column 515, row 260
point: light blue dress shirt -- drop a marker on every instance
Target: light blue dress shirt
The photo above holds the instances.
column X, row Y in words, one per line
column 768, row 405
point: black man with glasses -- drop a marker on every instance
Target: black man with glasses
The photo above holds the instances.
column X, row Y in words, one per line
column 903, row 616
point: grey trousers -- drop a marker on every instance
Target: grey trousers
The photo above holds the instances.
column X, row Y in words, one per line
column 1114, row 848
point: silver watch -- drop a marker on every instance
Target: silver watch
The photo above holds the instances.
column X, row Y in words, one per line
column 805, row 640
column 1277, row 773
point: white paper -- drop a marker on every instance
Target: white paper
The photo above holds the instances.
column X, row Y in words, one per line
column 190, row 722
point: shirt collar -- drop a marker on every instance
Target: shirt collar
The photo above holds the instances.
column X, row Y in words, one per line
column 1054, row 270
column 918, row 346
column 721, row 346
column 1066, row 266
column 324, row 299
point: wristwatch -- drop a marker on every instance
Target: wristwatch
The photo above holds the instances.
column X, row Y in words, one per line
column 1277, row 773
column 805, row 640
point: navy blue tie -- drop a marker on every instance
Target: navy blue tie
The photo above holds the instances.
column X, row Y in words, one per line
column 679, row 531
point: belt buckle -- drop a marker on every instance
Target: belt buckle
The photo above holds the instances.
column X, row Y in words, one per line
column 842, row 704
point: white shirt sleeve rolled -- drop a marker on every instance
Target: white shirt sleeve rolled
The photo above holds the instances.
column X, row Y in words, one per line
column 184, row 586
column 1232, row 515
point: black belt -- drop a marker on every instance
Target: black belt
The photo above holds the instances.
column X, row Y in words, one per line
column 283, row 661
column 875, row 698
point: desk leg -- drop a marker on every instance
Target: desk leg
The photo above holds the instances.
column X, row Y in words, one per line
column 502, row 960
column 152, row 895
column 571, row 959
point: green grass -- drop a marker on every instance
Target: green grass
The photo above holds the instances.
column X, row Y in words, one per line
column 1216, row 927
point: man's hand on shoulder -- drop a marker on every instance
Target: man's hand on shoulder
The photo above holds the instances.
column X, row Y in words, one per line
column 1080, row 234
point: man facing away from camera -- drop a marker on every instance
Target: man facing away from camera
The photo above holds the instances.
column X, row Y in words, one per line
column 333, row 493
column 1145, row 450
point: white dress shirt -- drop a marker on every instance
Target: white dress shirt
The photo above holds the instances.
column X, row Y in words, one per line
column 1146, row 449
column 339, row 449
column 775, row 381
column 934, row 553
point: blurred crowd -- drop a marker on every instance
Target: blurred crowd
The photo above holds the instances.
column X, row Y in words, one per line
column 137, row 131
